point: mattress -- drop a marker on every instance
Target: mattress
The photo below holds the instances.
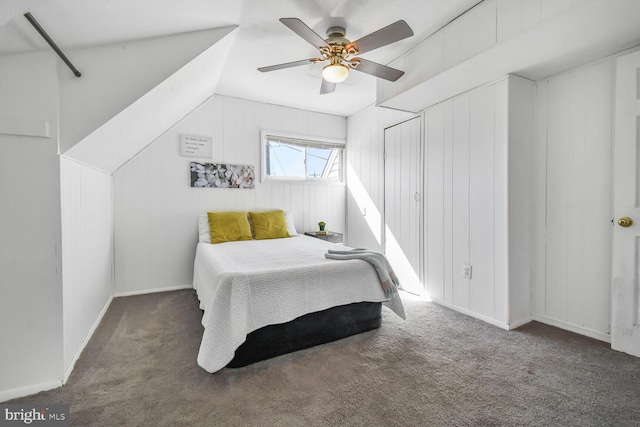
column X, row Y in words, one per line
column 243, row 286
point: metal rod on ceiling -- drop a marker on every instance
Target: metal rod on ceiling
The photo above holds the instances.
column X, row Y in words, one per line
column 48, row 39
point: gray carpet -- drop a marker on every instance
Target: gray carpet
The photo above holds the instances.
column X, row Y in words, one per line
column 438, row 368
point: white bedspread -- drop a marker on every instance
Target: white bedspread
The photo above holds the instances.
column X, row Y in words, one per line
column 243, row 286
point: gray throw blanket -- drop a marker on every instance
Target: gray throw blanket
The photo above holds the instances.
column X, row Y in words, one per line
column 388, row 279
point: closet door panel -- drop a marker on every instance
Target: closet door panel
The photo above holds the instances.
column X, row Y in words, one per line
column 434, row 198
column 401, row 202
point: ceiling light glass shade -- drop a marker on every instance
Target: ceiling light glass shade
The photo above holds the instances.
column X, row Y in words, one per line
column 335, row 73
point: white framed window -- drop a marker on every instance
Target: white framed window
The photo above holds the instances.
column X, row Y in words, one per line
column 295, row 157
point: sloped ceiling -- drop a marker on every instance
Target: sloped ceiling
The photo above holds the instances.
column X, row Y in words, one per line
column 116, row 75
column 260, row 40
column 122, row 137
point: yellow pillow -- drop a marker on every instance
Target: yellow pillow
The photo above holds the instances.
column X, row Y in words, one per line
column 269, row 225
column 229, row 226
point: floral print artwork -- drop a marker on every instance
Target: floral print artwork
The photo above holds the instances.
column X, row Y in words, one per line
column 218, row 175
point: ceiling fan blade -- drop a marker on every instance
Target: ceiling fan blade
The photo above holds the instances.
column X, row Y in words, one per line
column 289, row 64
column 327, row 87
column 390, row 34
column 378, row 70
column 301, row 29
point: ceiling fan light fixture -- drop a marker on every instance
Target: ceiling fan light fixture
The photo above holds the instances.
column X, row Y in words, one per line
column 335, row 73
column 339, row 52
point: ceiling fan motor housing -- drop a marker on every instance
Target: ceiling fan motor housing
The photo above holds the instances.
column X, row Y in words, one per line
column 335, row 37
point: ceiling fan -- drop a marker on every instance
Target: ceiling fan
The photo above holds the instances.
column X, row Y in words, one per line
column 340, row 53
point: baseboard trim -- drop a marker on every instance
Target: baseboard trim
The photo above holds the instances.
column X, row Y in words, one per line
column 494, row 322
column 572, row 328
column 518, row 323
column 152, row 291
column 26, row 391
column 86, row 340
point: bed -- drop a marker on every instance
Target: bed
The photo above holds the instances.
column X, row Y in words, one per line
column 263, row 298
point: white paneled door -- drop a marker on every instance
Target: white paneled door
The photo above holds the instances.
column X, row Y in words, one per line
column 402, row 174
column 625, row 326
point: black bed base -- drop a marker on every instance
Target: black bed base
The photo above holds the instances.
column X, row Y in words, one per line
column 307, row 331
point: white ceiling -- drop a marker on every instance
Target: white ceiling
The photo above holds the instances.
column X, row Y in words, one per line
column 261, row 39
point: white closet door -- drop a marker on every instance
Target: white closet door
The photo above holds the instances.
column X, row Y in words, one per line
column 625, row 326
column 402, row 174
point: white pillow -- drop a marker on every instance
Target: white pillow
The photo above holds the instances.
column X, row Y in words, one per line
column 291, row 227
column 204, row 232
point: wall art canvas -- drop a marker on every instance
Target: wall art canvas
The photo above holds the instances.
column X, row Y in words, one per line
column 220, row 175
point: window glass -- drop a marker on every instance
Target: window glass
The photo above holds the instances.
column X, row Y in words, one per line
column 317, row 162
column 285, row 160
column 302, row 159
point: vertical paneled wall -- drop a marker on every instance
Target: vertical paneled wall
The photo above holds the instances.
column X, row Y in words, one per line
column 573, row 259
column 434, row 199
column 457, row 287
column 155, row 209
column 30, row 262
column 478, row 207
column 402, row 202
column 365, row 174
column 522, row 165
column 477, row 201
column 87, row 251
column 465, row 201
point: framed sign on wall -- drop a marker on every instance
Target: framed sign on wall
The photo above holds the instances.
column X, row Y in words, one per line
column 196, row 146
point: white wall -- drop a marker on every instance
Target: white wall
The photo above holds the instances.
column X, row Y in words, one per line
column 573, row 219
column 476, row 207
column 87, row 253
column 563, row 199
column 155, row 209
column 402, row 202
column 30, row 241
column 130, row 130
column 365, row 174
column 522, row 167
column 54, row 290
column 467, row 186
column 477, row 197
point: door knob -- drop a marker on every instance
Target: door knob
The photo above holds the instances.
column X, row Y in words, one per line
column 625, row 221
